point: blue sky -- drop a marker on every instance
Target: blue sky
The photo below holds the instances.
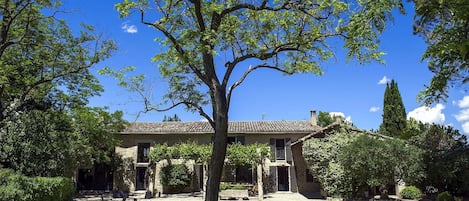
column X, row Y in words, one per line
column 354, row 90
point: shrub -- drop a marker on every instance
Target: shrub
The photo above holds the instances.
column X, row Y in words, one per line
column 175, row 176
column 411, row 192
column 15, row 186
column 227, row 186
column 444, row 196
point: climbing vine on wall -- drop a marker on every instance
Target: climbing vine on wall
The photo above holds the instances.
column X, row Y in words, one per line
column 237, row 154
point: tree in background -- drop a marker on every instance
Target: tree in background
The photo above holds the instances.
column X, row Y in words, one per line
column 444, row 26
column 375, row 162
column 324, row 119
column 286, row 36
column 445, row 157
column 46, row 129
column 394, row 114
column 175, row 117
column 322, row 158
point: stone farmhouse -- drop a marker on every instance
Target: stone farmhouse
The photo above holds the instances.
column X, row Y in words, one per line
column 286, row 170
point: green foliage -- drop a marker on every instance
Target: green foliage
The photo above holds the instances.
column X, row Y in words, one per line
column 19, row 187
column 445, row 157
column 322, row 157
column 299, row 32
column 324, row 119
column 443, row 25
column 411, row 192
column 46, row 129
column 394, row 114
column 54, row 143
column 374, row 162
column 173, row 118
column 227, row 186
column 237, row 154
column 345, row 161
column 175, row 175
column 444, row 196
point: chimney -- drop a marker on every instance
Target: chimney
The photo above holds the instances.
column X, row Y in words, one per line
column 338, row 119
column 314, row 120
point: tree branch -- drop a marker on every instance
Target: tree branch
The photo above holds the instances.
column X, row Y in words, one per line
column 249, row 71
column 176, row 44
column 261, row 56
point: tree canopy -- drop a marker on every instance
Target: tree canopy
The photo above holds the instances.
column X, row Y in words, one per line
column 444, row 26
column 204, row 42
column 445, row 157
column 347, row 161
column 46, row 128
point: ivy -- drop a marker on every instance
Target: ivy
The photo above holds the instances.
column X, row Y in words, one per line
column 237, row 154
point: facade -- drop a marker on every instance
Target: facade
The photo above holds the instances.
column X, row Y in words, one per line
column 287, row 171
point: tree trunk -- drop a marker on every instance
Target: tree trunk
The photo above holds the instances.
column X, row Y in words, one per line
column 220, row 117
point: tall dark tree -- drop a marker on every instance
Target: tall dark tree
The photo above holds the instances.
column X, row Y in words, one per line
column 394, row 114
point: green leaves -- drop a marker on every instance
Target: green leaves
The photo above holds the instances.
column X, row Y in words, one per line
column 346, row 161
column 237, row 154
column 443, row 25
column 287, row 36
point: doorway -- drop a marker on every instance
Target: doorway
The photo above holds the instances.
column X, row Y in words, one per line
column 141, row 182
column 282, row 174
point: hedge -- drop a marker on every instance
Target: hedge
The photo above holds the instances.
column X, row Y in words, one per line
column 15, row 186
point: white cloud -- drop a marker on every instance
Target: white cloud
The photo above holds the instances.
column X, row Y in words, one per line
column 463, row 115
column 464, row 103
column 428, row 114
column 128, row 28
column 340, row 114
column 374, row 109
column 465, row 127
column 384, row 80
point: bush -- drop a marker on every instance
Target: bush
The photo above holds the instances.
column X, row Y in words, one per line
column 411, row 192
column 15, row 186
column 227, row 186
column 444, row 196
column 175, row 176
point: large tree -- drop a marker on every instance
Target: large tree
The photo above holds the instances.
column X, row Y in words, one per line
column 445, row 157
column 45, row 82
column 394, row 115
column 445, row 27
column 286, row 36
column 43, row 64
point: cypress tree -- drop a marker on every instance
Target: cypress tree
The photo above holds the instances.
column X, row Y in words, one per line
column 394, row 114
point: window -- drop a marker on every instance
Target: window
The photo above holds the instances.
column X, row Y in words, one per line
column 280, row 149
column 309, row 176
column 143, row 151
column 235, row 139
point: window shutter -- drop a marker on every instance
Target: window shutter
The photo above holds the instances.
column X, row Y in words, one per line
column 288, row 149
column 273, row 177
column 272, row 148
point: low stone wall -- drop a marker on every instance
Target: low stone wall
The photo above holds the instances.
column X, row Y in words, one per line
column 233, row 194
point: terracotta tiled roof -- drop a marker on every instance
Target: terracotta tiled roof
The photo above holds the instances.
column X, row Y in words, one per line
column 260, row 127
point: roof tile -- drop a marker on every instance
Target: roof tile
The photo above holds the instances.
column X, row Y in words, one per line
column 233, row 127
